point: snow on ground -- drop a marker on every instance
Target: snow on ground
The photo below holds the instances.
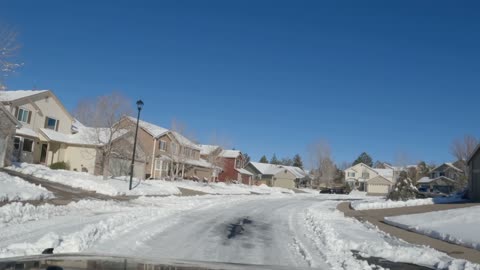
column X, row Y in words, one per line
column 381, row 203
column 112, row 187
column 337, row 236
column 16, row 189
column 230, row 189
column 459, row 226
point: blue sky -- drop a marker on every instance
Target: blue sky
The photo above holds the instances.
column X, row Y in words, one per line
column 385, row 77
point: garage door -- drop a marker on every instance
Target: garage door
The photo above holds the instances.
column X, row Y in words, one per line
column 377, row 188
column 285, row 183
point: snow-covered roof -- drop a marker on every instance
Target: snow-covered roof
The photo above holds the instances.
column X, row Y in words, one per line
column 84, row 136
column 184, row 141
column 449, row 165
column 152, row 129
column 426, row 179
column 386, row 173
column 230, row 153
column 271, row 169
column 12, row 95
column 207, row 149
column 9, row 115
column 243, row 171
column 25, row 131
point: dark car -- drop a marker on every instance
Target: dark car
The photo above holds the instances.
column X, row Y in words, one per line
column 326, row 191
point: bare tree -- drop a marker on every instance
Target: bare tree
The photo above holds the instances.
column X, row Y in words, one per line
column 179, row 153
column 102, row 115
column 462, row 148
column 324, row 170
column 8, row 50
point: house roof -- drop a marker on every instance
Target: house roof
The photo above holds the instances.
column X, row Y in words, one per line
column 426, row 179
column 379, row 178
column 473, row 153
column 207, row 149
column 243, row 171
column 230, row 153
column 386, row 173
column 152, row 129
column 184, row 141
column 11, row 95
column 25, row 131
column 272, row 169
column 449, row 165
column 84, row 136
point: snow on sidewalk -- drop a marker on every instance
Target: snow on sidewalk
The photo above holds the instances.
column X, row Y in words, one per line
column 112, row 186
column 458, row 226
column 337, row 237
column 381, row 203
column 16, row 189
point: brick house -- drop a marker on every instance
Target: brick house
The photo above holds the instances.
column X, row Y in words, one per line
column 231, row 162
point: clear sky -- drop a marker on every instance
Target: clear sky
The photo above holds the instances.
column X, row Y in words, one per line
column 385, row 77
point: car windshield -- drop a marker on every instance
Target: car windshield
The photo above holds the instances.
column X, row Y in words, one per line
column 239, row 134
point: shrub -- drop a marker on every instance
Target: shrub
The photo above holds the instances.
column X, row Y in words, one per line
column 403, row 190
column 59, row 166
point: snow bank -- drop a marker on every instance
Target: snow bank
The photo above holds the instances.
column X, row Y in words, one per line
column 16, row 189
column 336, row 237
column 229, row 189
column 112, row 187
column 382, row 203
column 458, row 226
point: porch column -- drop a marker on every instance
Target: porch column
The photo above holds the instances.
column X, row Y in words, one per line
column 183, row 170
column 176, row 170
column 161, row 168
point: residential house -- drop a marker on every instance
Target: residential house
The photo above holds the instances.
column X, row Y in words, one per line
column 441, row 184
column 366, row 178
column 169, row 154
column 276, row 175
column 448, row 170
column 8, row 125
column 474, row 175
column 49, row 134
column 231, row 162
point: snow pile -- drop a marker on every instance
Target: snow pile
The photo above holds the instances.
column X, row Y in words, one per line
column 17, row 189
column 382, row 203
column 221, row 188
column 112, row 187
column 458, row 226
column 338, row 237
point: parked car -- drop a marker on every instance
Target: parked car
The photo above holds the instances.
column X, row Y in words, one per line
column 335, row 190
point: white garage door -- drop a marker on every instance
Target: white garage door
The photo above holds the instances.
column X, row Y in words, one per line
column 284, row 183
column 377, row 188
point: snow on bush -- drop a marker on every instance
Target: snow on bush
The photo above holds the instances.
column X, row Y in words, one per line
column 16, row 189
column 403, row 190
column 112, row 186
column 458, row 226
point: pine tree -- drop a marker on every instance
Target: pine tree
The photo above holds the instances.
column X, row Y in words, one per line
column 263, row 159
column 365, row 159
column 297, row 161
column 274, row 160
column 403, row 190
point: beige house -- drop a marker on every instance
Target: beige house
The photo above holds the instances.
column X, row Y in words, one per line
column 49, row 134
column 373, row 181
column 8, row 125
column 275, row 175
column 169, row 154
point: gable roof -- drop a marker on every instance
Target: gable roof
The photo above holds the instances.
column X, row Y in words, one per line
column 207, row 149
column 448, row 164
column 184, row 141
column 15, row 95
column 379, row 179
column 230, row 153
column 426, row 179
column 272, row 169
column 386, row 173
column 84, row 136
column 9, row 115
column 152, row 129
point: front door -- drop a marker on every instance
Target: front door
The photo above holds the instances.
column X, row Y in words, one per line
column 43, row 153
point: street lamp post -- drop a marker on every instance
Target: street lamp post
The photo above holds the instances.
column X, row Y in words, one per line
column 139, row 107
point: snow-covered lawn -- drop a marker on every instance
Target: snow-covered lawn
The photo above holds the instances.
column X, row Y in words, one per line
column 459, row 226
column 112, row 187
column 382, row 203
column 231, row 189
column 16, row 189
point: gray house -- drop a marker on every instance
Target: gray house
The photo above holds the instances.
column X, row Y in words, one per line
column 8, row 124
column 474, row 175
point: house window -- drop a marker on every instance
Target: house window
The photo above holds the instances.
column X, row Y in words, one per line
column 351, row 174
column 23, row 115
column 27, row 145
column 238, row 163
column 174, row 148
column 165, row 167
column 442, row 173
column 16, row 143
column 163, row 145
column 365, row 175
column 51, row 123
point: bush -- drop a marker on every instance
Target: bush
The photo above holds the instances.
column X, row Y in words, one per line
column 59, row 166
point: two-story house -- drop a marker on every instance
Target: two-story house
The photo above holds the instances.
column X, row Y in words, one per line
column 49, row 134
column 169, row 154
column 444, row 178
column 231, row 162
column 373, row 181
column 447, row 170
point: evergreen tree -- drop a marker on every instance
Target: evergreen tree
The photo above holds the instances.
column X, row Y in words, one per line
column 274, row 160
column 286, row 161
column 297, row 161
column 403, row 190
column 246, row 158
column 365, row 159
column 263, row 159
column 422, row 170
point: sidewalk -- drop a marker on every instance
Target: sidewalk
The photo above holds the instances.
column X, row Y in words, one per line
column 376, row 217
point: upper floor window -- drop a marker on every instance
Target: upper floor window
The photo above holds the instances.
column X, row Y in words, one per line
column 174, row 148
column 23, row 115
column 365, row 175
column 162, row 145
column 351, row 174
column 238, row 163
column 51, row 123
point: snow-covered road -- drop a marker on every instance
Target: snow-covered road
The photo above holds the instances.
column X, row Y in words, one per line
column 288, row 230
